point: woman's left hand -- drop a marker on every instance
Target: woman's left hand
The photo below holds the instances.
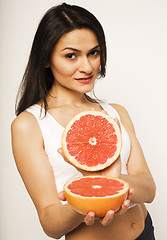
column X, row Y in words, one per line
column 107, row 219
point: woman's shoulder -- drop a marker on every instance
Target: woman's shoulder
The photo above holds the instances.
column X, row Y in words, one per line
column 25, row 132
column 24, row 122
column 121, row 110
column 124, row 116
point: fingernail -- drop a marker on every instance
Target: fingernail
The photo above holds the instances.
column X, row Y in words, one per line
column 127, row 203
column 110, row 212
column 92, row 214
column 132, row 191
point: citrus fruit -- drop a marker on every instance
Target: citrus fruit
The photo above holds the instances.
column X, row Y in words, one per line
column 92, row 140
column 96, row 194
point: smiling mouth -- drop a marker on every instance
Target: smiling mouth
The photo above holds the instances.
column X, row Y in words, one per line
column 84, row 80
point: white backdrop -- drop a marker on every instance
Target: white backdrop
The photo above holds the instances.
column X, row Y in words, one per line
column 136, row 32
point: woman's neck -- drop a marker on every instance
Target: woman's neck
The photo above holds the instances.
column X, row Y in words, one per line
column 58, row 96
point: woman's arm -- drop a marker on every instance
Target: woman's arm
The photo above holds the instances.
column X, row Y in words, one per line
column 139, row 176
column 36, row 172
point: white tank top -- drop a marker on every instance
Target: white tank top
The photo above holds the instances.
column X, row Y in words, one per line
column 52, row 132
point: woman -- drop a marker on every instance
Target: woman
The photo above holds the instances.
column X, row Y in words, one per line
column 68, row 55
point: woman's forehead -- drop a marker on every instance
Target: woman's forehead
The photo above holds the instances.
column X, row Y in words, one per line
column 78, row 39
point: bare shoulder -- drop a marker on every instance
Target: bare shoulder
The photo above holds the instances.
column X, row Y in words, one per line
column 124, row 116
column 25, row 126
column 23, row 121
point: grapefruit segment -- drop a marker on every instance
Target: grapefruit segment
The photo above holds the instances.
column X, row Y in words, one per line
column 97, row 194
column 92, row 140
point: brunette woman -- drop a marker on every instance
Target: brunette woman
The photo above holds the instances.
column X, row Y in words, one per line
column 68, row 55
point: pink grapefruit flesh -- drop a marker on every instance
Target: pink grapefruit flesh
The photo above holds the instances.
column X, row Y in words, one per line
column 92, row 140
column 97, row 194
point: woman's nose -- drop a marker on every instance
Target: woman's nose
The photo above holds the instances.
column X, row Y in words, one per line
column 85, row 66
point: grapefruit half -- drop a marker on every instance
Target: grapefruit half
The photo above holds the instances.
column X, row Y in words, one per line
column 97, row 194
column 92, row 140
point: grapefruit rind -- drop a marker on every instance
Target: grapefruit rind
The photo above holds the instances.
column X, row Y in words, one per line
column 98, row 205
column 99, row 166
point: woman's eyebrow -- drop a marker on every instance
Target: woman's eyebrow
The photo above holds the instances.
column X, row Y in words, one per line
column 77, row 50
column 70, row 48
column 94, row 48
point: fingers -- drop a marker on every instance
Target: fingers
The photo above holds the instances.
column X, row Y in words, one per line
column 62, row 196
column 124, row 207
column 90, row 218
column 126, row 203
column 108, row 218
column 130, row 193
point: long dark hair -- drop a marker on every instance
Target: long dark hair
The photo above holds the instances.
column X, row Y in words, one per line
column 57, row 21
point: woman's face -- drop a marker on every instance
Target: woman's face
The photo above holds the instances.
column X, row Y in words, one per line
column 75, row 60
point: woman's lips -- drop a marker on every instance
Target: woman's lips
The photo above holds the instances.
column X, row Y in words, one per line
column 84, row 80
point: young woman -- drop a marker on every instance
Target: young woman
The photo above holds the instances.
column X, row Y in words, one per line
column 68, row 55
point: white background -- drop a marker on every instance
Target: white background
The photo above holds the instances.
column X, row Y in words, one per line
column 136, row 33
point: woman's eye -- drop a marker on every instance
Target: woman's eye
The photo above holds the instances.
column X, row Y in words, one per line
column 94, row 53
column 70, row 56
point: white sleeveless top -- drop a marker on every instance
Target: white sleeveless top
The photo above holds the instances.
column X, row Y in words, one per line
column 52, row 132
